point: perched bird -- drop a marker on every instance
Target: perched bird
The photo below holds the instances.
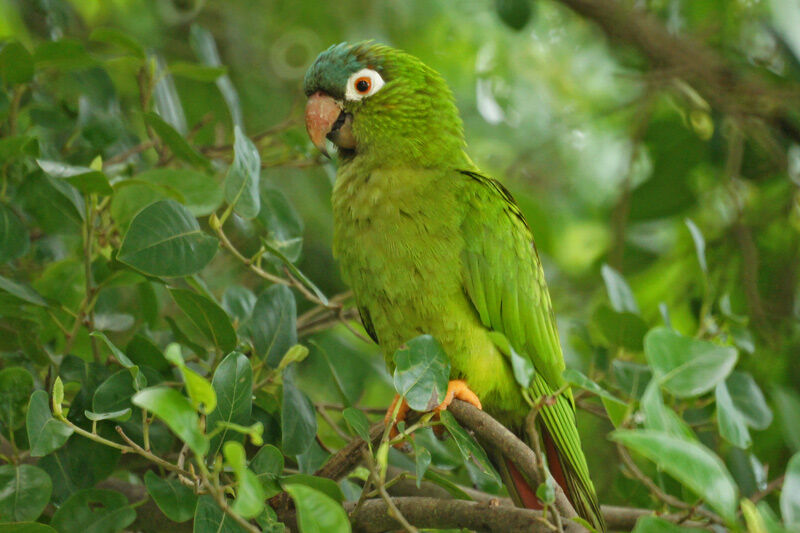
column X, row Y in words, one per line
column 430, row 245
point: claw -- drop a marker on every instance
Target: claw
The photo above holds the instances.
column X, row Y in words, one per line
column 459, row 389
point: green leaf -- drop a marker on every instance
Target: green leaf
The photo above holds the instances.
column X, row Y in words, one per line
column 209, row 518
column 174, row 409
column 699, row 243
column 45, row 433
column 14, row 240
column 64, row 54
column 24, row 492
column 684, row 366
column 25, row 527
column 421, row 373
column 84, row 179
column 164, row 239
column 749, row 400
column 202, row 42
column 631, row 378
column 658, row 416
column 691, row 463
column 615, row 407
column 654, row 524
column 273, row 324
column 18, row 146
column 119, row 39
column 244, row 174
column 176, row 142
column 193, row 71
column 296, row 272
column 469, row 448
column 212, row 321
column 357, row 422
column 238, row 302
column 16, row 64
column 16, row 386
column 732, row 425
column 619, row 292
column 790, row 493
column 176, row 501
column 422, row 460
column 95, row 510
column 317, row 512
column 249, row 494
column 327, row 486
column 118, row 416
column 268, row 466
column 114, row 394
column 298, row 419
column 787, row 402
column 623, row 329
column 283, row 224
column 546, row 492
column 139, row 381
column 233, row 384
column 200, row 391
column 23, row 292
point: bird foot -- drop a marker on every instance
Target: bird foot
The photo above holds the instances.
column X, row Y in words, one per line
column 456, row 389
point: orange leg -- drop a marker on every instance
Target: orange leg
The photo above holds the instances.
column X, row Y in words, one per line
column 401, row 414
column 459, row 389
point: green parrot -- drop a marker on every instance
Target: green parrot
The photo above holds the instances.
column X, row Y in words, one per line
column 430, row 245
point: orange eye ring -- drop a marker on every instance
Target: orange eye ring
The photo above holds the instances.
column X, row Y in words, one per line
column 363, row 85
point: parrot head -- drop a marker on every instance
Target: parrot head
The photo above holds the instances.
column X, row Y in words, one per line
column 368, row 98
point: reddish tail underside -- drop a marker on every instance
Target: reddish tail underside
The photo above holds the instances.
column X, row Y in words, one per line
column 527, row 493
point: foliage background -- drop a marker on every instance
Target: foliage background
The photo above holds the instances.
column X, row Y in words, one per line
column 620, row 165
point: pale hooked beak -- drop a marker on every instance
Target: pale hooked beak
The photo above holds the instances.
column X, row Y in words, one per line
column 325, row 119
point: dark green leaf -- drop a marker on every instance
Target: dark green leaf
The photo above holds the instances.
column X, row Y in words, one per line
column 623, row 329
column 317, row 512
column 164, row 239
column 25, row 527
column 176, row 501
column 95, row 510
column 176, row 142
column 654, row 524
column 238, row 302
column 615, row 407
column 749, row 400
column 202, row 42
column 174, row 409
column 14, row 240
column 45, row 433
column 787, row 403
column 732, row 425
column 23, row 292
column 209, row 318
column 233, row 384
column 119, row 39
column 298, row 419
column 514, row 13
column 632, row 378
column 422, row 460
column 66, row 55
column 421, row 373
column 209, row 518
column 24, row 492
column 16, row 386
column 16, row 64
column 658, row 416
column 282, row 222
column 357, row 422
column 296, row 272
column 689, row 462
column 469, row 448
column 684, row 366
column 272, row 325
column 244, row 174
column 114, row 394
column 199, row 192
column 268, row 466
column 139, row 381
column 79, row 464
column 620, row 295
column 790, row 494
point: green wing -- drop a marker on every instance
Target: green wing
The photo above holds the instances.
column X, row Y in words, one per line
column 505, row 281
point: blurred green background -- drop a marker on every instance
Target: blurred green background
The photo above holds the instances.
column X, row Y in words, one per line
column 613, row 160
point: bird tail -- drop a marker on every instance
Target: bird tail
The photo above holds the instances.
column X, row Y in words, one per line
column 569, row 471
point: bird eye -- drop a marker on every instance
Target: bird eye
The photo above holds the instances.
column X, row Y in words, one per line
column 362, row 84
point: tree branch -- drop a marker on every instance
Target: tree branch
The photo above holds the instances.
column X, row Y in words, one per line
column 720, row 84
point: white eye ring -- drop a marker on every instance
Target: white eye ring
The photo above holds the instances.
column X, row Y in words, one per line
column 363, row 83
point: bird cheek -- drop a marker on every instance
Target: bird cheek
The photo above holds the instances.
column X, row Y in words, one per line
column 343, row 136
